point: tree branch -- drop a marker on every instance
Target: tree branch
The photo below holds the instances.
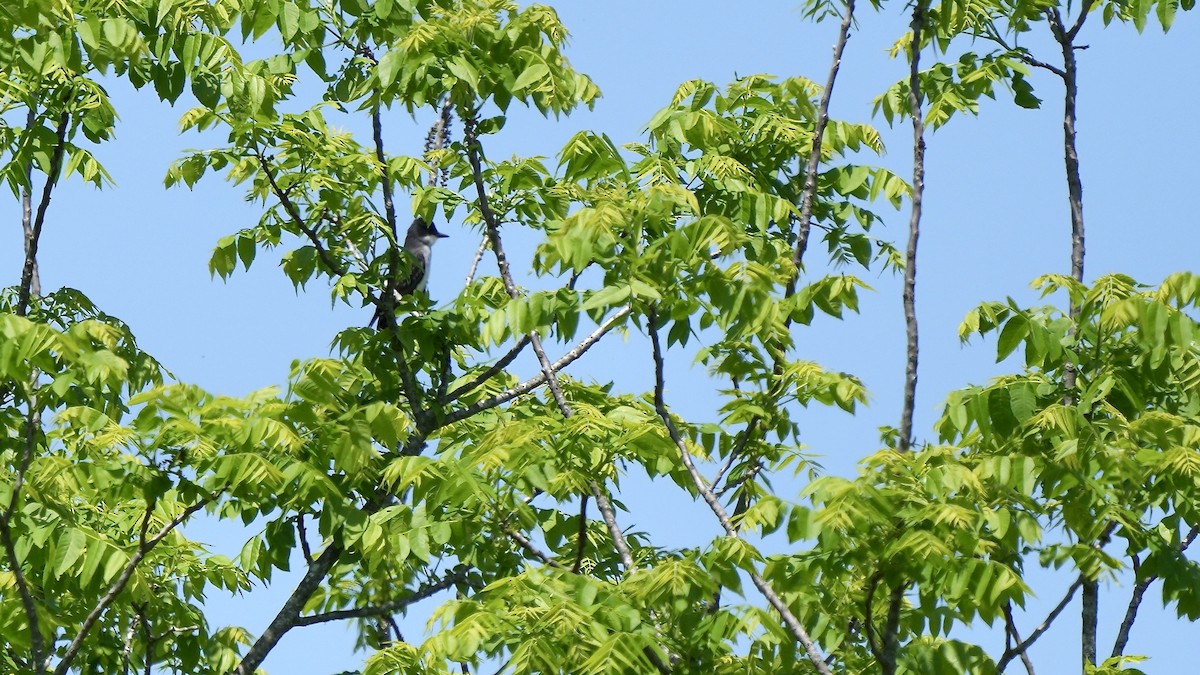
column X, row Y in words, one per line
column 914, row 229
column 660, row 406
column 1010, row 627
column 534, row 551
column 33, row 426
column 1135, row 600
column 891, row 630
column 614, row 529
column 36, row 645
column 127, row 651
column 873, row 644
column 424, row 592
column 297, row 219
column 144, row 547
column 35, row 287
column 541, row 378
column 1083, row 14
column 483, row 244
column 289, row 613
column 491, row 372
column 814, row 157
column 33, row 233
column 1013, row 652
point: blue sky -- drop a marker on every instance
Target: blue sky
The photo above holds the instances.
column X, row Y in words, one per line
column 996, row 217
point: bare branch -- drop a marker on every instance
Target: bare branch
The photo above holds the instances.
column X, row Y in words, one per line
column 1010, row 627
column 302, row 535
column 33, row 233
column 534, row 551
column 1013, row 652
column 35, row 286
column 422, row 593
column 483, row 244
column 541, row 378
column 1135, row 599
column 914, row 228
column 492, row 370
column 289, row 613
column 660, row 406
column 614, row 529
column 1084, row 8
column 144, row 547
column 814, row 156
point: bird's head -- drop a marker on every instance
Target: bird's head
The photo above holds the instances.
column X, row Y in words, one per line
column 426, row 233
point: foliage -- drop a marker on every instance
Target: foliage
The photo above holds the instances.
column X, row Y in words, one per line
column 412, row 463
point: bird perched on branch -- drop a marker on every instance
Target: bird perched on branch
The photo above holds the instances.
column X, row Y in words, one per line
column 418, row 243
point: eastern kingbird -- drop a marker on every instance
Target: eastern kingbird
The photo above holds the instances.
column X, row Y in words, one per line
column 419, row 246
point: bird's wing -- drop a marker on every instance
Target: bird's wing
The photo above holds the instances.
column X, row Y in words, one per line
column 405, row 286
column 416, row 274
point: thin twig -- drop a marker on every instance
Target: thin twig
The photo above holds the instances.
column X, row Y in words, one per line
column 660, row 406
column 293, row 212
column 483, row 244
column 991, row 33
column 1010, row 627
column 534, row 551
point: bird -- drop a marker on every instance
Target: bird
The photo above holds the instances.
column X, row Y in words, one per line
column 418, row 244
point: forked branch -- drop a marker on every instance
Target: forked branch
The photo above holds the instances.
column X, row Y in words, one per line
column 1018, row 649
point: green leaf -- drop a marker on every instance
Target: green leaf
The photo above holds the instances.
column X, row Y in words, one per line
column 533, row 73
column 1015, row 330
